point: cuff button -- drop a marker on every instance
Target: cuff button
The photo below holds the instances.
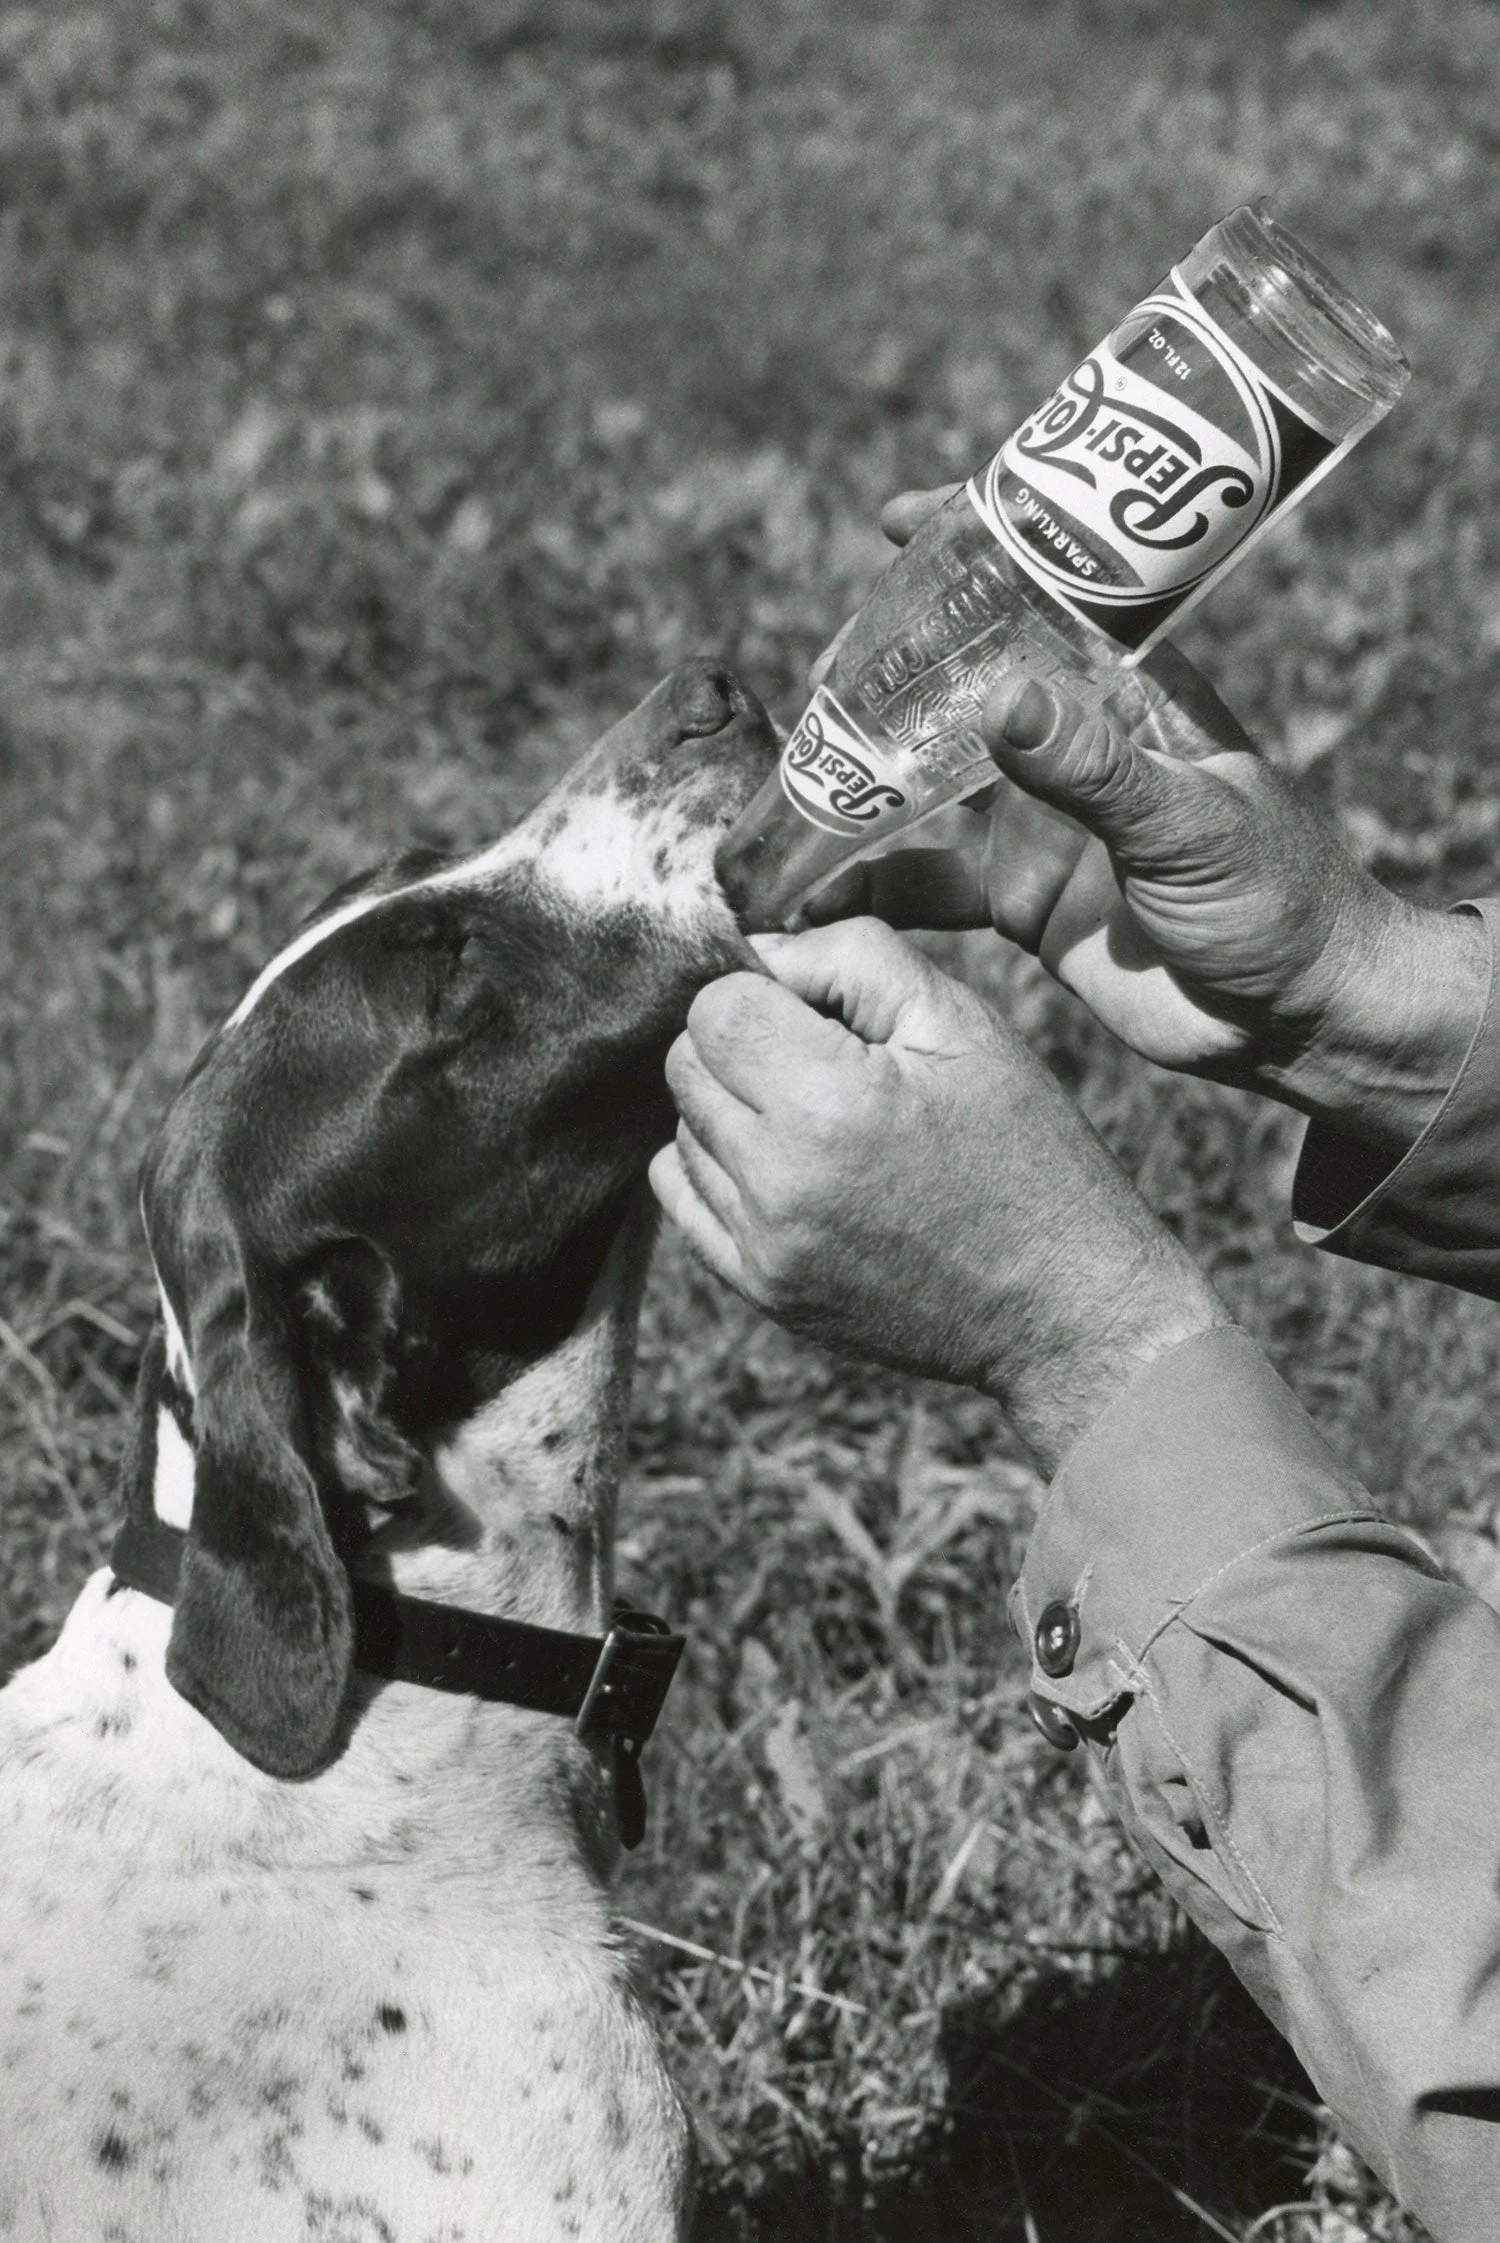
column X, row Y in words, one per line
column 1057, row 1634
column 1052, row 1722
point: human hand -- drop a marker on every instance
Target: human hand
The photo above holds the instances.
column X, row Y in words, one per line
column 870, row 1154
column 1209, row 917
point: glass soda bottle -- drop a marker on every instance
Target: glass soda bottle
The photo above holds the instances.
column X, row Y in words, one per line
column 1215, row 404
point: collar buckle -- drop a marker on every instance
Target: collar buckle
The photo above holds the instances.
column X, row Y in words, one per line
column 629, row 1684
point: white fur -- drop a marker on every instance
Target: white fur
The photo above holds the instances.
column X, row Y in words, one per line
column 173, row 1492
column 358, row 907
column 608, row 857
column 385, row 2003
column 601, row 853
column 178, row 1362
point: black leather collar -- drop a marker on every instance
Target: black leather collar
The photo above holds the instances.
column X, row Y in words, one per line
column 610, row 1686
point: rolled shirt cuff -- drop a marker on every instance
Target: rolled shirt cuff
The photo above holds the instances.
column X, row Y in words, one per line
column 1204, row 1464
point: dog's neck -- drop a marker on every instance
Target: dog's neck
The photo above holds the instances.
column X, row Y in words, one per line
column 514, row 1511
column 517, row 1518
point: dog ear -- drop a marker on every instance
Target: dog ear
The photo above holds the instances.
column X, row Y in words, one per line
column 348, row 1303
column 262, row 1638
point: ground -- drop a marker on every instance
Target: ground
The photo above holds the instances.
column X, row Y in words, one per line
column 392, row 389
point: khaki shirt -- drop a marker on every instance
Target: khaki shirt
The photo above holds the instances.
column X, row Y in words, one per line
column 1295, row 1714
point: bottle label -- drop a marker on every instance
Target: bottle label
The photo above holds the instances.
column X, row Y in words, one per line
column 838, row 778
column 1155, row 459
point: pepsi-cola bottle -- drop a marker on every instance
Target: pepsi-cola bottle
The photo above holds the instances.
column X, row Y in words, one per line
column 1215, row 404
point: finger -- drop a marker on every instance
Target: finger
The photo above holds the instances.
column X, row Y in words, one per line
column 1095, row 946
column 1156, row 814
column 1030, row 856
column 754, row 1035
column 1088, row 905
column 902, row 516
column 714, row 1185
column 909, row 888
column 715, row 1113
column 861, row 971
column 702, row 1229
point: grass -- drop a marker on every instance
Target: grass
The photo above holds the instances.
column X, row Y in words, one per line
column 392, row 389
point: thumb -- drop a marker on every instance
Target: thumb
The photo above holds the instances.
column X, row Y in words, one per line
column 1156, row 814
column 866, row 976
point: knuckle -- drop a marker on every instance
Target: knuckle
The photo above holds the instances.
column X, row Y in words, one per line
column 728, row 1017
column 779, row 1200
column 835, row 1119
column 783, row 1262
column 794, row 1205
column 679, row 1062
column 702, row 1013
column 706, row 1009
column 874, row 941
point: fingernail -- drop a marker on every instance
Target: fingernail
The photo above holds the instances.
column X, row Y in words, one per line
column 1029, row 715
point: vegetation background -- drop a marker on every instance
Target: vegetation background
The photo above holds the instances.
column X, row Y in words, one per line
column 392, row 390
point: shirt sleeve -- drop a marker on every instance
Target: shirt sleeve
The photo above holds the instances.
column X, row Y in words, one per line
column 1437, row 1212
column 1297, row 1718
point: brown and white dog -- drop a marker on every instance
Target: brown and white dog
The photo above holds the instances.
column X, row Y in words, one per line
column 287, row 1951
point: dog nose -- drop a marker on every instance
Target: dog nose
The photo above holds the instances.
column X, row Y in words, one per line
column 701, row 699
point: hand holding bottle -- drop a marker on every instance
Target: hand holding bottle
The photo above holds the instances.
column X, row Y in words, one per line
column 1206, row 914
column 1221, row 399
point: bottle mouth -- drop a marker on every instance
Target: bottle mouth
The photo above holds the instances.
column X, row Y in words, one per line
column 1315, row 311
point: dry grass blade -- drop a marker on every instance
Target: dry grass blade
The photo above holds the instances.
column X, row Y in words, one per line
column 88, row 1312
column 919, row 1732
column 1127, row 2150
column 1261, row 2227
column 19, row 1353
column 953, row 1875
column 753, row 1971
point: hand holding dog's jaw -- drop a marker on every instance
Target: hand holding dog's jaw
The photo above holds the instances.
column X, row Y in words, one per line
column 867, row 1152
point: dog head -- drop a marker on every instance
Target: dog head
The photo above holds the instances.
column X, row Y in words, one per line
column 392, row 1178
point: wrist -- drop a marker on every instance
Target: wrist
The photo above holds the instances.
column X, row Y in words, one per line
column 1394, row 1028
column 1064, row 1370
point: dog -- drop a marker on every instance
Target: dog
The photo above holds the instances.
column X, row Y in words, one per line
column 292, row 1945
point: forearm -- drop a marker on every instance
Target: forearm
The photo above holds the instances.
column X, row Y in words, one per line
column 1102, row 1290
column 1293, row 1713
